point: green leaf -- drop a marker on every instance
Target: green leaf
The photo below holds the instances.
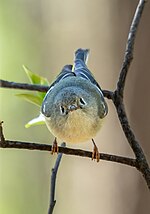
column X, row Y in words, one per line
column 36, row 121
column 41, row 95
column 35, row 78
column 31, row 98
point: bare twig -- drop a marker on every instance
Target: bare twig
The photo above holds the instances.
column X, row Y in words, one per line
column 2, row 138
column 23, row 86
column 35, row 87
column 53, row 181
column 68, row 151
column 140, row 157
column 118, row 96
column 129, row 47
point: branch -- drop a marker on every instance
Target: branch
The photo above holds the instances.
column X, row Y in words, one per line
column 77, row 152
column 53, row 182
column 118, row 96
column 23, row 86
column 130, row 47
column 67, row 151
column 134, row 144
column 2, row 138
column 36, row 87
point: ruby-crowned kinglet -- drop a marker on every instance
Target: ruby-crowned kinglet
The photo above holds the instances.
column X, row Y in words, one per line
column 74, row 106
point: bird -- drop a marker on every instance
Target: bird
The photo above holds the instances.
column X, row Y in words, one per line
column 74, row 106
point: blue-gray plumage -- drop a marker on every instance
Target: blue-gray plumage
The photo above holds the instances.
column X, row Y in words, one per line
column 74, row 106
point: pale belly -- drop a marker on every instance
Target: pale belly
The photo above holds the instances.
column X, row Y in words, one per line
column 77, row 128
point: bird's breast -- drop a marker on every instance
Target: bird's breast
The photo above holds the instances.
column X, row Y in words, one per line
column 77, row 127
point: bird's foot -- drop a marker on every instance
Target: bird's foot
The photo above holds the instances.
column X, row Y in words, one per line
column 95, row 153
column 54, row 147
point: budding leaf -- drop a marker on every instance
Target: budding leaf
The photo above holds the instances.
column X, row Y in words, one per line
column 36, row 121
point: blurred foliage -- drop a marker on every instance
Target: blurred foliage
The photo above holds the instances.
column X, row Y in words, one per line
column 35, row 98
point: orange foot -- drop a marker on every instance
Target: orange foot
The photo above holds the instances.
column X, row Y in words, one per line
column 54, row 147
column 95, row 154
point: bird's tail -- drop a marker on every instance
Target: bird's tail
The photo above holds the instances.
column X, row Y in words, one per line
column 82, row 55
column 80, row 68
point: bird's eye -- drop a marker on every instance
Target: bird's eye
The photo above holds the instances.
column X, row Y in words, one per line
column 62, row 110
column 82, row 101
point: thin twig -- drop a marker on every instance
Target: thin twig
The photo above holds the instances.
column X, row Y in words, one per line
column 68, row 151
column 23, row 86
column 118, row 96
column 129, row 47
column 53, row 181
column 140, row 157
column 2, row 138
column 35, row 87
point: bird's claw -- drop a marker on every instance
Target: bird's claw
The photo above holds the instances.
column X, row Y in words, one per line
column 95, row 153
column 54, row 147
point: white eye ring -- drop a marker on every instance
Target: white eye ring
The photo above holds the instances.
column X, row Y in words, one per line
column 62, row 110
column 82, row 101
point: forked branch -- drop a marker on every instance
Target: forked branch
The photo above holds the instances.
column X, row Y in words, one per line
column 139, row 162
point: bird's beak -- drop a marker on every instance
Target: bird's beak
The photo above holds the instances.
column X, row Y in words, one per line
column 72, row 107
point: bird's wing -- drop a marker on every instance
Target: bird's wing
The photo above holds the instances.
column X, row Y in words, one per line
column 65, row 72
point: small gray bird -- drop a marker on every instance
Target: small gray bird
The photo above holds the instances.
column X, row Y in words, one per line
column 74, row 106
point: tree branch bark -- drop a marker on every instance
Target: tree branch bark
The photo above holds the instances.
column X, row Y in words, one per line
column 23, row 86
column 53, row 181
column 130, row 47
column 64, row 150
column 119, row 92
column 35, row 87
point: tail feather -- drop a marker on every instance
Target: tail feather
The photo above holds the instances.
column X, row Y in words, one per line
column 80, row 68
column 82, row 54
